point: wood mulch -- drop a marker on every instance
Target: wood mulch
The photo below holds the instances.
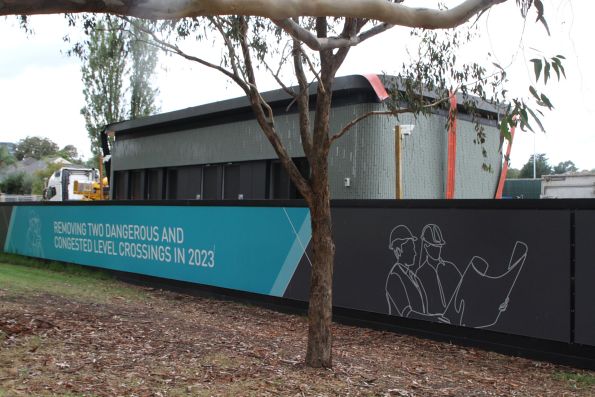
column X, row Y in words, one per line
column 176, row 345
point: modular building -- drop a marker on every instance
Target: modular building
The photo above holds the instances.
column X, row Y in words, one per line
column 571, row 185
column 217, row 151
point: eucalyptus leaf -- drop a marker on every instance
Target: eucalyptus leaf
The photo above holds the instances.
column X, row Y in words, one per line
column 537, row 119
column 537, row 66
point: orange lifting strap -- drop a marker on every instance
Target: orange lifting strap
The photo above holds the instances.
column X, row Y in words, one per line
column 452, row 147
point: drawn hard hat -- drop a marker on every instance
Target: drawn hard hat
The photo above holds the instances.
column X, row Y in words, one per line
column 432, row 234
column 400, row 232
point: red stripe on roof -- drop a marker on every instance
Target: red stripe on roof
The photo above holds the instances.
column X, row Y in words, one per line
column 377, row 85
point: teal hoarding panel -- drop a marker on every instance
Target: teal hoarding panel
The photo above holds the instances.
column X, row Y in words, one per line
column 253, row 249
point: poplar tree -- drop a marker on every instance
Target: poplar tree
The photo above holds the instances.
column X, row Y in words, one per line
column 116, row 71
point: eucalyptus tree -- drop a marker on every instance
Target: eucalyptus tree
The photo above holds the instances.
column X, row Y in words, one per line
column 309, row 41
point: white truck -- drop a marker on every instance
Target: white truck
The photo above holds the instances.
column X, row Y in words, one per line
column 60, row 186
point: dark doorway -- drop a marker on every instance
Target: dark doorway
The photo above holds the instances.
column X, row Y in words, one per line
column 282, row 187
column 212, row 182
column 154, row 189
column 136, row 185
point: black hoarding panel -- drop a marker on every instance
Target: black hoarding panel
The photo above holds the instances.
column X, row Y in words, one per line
column 585, row 278
column 5, row 213
column 501, row 270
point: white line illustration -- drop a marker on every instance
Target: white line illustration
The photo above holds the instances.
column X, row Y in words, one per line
column 297, row 236
column 465, row 309
column 439, row 276
column 405, row 292
column 426, row 286
column 34, row 240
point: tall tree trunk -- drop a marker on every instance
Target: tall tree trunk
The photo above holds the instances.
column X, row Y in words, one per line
column 320, row 309
column 319, row 352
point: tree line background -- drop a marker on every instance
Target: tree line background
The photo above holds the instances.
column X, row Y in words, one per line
column 116, row 68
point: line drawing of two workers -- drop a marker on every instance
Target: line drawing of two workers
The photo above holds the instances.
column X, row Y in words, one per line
column 424, row 286
column 420, row 287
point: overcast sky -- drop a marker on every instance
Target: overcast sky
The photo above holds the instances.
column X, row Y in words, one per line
column 41, row 88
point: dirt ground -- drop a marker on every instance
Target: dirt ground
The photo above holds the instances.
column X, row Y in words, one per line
column 166, row 344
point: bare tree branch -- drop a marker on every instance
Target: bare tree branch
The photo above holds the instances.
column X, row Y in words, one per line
column 267, row 126
column 374, row 31
column 364, row 116
column 311, row 66
column 303, row 99
column 258, row 104
column 233, row 59
column 316, row 44
column 168, row 47
column 320, row 138
column 293, row 29
column 380, row 10
column 350, row 29
column 283, row 86
column 275, row 75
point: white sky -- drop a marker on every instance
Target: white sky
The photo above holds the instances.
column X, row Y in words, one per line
column 41, row 89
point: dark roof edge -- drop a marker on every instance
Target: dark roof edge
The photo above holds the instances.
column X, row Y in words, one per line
column 342, row 86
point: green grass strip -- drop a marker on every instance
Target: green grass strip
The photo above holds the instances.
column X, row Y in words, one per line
column 22, row 275
column 579, row 380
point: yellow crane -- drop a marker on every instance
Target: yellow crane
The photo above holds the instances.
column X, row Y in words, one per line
column 95, row 190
